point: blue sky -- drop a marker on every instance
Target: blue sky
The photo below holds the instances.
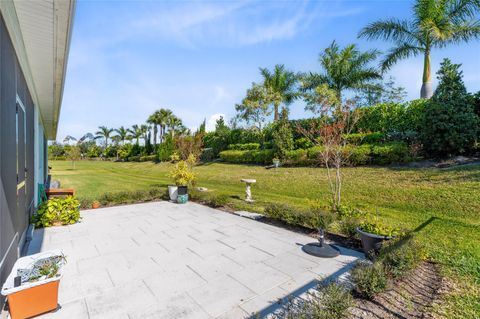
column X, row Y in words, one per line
column 129, row 58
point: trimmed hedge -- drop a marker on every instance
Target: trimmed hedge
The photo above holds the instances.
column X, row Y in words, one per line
column 245, row 157
column 378, row 154
column 365, row 138
column 244, row 147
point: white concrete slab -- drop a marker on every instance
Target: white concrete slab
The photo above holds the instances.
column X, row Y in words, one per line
column 164, row 260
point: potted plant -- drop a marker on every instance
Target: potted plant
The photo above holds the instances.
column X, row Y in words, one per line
column 373, row 234
column 96, row 204
column 183, row 176
column 32, row 286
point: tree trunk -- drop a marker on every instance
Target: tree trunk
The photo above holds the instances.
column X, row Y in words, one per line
column 275, row 110
column 426, row 91
column 154, row 135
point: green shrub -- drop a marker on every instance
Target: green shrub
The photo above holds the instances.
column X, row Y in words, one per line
column 365, row 138
column 393, row 152
column 207, row 155
column 359, row 155
column 373, row 226
column 297, row 157
column 350, row 219
column 303, row 143
column 217, row 200
column 253, row 157
column 244, row 147
column 166, row 149
column 369, row 280
column 292, row 215
column 313, row 153
column 57, row 211
column 401, row 255
column 330, row 301
column 148, row 158
column 128, row 197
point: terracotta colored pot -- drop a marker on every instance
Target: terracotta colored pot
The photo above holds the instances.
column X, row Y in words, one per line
column 95, row 205
column 34, row 301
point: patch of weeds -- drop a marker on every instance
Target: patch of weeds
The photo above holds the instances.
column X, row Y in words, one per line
column 369, row 279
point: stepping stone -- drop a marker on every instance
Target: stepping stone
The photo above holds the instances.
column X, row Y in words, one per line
column 254, row 216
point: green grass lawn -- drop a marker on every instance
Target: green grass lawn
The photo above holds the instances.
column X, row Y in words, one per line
column 443, row 205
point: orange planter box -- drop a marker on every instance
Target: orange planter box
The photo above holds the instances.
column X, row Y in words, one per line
column 34, row 301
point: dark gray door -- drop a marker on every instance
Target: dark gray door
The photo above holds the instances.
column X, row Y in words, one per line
column 21, row 166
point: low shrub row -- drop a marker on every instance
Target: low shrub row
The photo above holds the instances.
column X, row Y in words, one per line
column 247, row 157
column 144, row 158
column 376, row 154
column 244, row 147
column 127, row 197
column 396, row 259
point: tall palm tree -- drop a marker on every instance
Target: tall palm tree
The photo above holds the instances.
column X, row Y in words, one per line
column 154, row 121
column 135, row 132
column 343, row 69
column 173, row 124
column 435, row 24
column 281, row 83
column 163, row 117
column 104, row 132
column 122, row 134
column 144, row 129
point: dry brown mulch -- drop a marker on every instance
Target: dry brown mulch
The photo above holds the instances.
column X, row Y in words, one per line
column 411, row 297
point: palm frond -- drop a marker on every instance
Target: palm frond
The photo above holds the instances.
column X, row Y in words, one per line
column 459, row 10
column 392, row 29
column 400, row 52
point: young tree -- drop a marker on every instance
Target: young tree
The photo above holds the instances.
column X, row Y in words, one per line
column 282, row 135
column 435, row 24
column 255, row 106
column 382, row 92
column 337, row 120
column 73, row 155
column 343, row 69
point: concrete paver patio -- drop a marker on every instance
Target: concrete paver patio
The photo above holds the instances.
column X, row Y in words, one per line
column 164, row 260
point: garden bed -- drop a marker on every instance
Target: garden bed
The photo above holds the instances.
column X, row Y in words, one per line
column 410, row 297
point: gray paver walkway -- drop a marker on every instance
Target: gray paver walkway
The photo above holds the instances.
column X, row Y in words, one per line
column 164, row 260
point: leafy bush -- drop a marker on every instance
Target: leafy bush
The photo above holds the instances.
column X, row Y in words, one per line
column 207, row 155
column 327, row 302
column 373, row 226
column 182, row 174
column 217, row 200
column 359, row 155
column 365, row 138
column 292, row 216
column 350, row 219
column 393, row 152
column 450, row 125
column 297, row 157
column 57, row 211
column 282, row 135
column 166, row 149
column 401, row 255
column 148, row 158
column 303, row 143
column 369, row 280
column 244, row 147
column 254, row 157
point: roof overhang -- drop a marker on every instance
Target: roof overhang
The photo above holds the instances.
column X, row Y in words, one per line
column 41, row 32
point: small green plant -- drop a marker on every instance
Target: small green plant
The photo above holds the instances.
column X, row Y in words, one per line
column 57, row 211
column 182, row 174
column 373, row 225
column 217, row 200
column 326, row 302
column 369, row 279
column 349, row 219
column 401, row 255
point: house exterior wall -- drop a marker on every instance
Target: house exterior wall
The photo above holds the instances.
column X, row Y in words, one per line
column 19, row 144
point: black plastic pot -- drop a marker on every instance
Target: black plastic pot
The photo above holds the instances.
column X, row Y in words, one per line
column 182, row 190
column 371, row 243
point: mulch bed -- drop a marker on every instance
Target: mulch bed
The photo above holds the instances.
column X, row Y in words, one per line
column 411, row 297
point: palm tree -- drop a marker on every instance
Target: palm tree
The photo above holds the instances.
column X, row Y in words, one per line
column 343, row 69
column 435, row 24
column 163, row 116
column 122, row 134
column 135, row 132
column 69, row 138
column 104, row 132
column 174, row 123
column 144, row 129
column 281, row 84
column 154, row 121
